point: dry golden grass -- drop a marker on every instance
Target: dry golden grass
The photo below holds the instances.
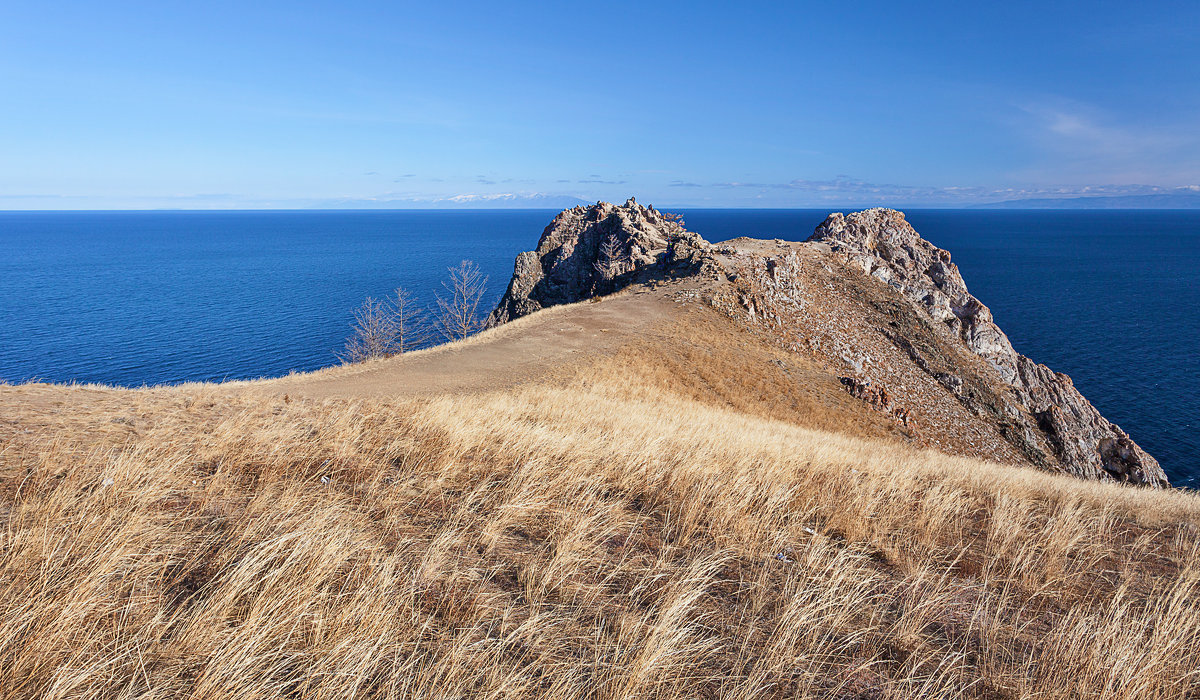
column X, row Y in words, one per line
column 711, row 359
column 600, row 538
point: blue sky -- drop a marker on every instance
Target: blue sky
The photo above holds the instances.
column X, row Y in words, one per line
column 294, row 105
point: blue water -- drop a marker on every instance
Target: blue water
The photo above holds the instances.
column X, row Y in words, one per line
column 131, row 298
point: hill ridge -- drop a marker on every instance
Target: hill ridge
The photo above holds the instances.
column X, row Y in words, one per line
column 587, row 252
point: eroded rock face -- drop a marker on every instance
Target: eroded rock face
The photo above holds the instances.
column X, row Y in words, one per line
column 594, row 250
column 944, row 362
column 886, row 247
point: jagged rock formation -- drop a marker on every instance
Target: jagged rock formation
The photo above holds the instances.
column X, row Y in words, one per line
column 594, row 250
column 887, row 248
column 942, row 369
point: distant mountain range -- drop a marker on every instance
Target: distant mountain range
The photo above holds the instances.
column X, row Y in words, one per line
column 1129, row 201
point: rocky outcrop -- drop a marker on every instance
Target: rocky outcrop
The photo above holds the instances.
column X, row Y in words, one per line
column 886, row 247
column 587, row 251
column 918, row 347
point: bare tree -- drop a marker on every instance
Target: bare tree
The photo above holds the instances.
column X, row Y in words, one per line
column 413, row 325
column 374, row 332
column 612, row 259
column 458, row 313
column 386, row 327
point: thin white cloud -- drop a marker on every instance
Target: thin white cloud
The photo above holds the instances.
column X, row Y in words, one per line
column 848, row 190
column 1076, row 141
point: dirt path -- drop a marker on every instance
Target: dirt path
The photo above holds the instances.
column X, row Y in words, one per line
column 513, row 354
column 523, row 351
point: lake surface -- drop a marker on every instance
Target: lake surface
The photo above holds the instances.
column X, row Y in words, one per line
column 1112, row 298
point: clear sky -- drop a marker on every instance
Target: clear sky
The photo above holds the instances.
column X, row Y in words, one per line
column 297, row 104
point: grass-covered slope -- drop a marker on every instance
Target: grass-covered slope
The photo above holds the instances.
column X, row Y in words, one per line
column 645, row 524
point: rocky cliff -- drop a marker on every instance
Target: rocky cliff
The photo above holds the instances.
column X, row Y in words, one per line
column 886, row 247
column 594, row 250
column 871, row 299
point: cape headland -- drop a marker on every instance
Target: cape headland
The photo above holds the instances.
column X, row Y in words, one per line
column 867, row 297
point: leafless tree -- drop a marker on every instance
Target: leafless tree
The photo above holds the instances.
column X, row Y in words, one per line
column 413, row 325
column 458, row 312
column 374, row 332
column 386, row 327
column 612, row 259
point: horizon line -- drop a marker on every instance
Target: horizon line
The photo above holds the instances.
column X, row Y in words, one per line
column 854, row 207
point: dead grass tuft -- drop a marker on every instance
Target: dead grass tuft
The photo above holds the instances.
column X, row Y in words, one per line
column 614, row 537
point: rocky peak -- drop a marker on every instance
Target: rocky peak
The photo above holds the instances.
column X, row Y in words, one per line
column 586, row 251
column 886, row 247
column 923, row 318
column 883, row 243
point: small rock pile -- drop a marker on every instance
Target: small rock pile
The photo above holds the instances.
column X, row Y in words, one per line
column 876, row 396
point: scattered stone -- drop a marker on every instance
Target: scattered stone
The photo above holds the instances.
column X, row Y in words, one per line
column 875, row 396
column 953, row 382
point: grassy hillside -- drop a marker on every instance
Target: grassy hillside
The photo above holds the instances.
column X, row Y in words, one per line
column 618, row 532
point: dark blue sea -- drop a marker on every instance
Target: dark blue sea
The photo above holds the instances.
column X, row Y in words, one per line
column 132, row 298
